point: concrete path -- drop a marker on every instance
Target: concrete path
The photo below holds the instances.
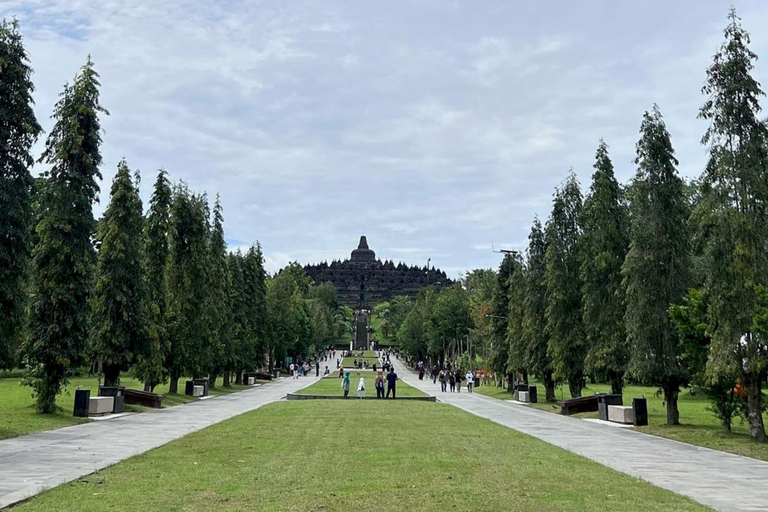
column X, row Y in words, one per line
column 720, row 480
column 33, row 463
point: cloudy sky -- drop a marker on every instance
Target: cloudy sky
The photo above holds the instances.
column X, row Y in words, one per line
column 437, row 128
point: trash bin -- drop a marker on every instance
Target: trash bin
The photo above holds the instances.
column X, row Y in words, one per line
column 640, row 408
column 275, row 373
column 82, row 396
column 533, row 395
column 118, row 393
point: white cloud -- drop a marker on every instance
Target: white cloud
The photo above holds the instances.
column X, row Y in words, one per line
column 421, row 124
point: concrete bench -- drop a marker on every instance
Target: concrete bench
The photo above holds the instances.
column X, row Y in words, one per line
column 198, row 390
column 251, row 381
column 621, row 414
column 523, row 396
column 100, row 405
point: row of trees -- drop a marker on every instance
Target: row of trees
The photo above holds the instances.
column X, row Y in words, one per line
column 157, row 293
column 660, row 280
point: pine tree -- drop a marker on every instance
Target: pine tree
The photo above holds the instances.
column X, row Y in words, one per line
column 232, row 355
column 187, row 279
column 64, row 256
column 499, row 353
column 219, row 293
column 517, row 361
column 655, row 271
column 18, row 132
column 732, row 219
column 119, row 332
column 603, row 247
column 534, row 317
column 257, row 305
column 566, row 348
column 150, row 368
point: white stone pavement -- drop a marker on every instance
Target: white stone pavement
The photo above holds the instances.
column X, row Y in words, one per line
column 720, row 480
column 33, row 463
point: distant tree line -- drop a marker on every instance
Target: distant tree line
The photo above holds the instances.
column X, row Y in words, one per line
column 153, row 293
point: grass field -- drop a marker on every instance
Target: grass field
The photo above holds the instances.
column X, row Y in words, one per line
column 347, row 455
column 332, row 386
column 699, row 426
column 18, row 415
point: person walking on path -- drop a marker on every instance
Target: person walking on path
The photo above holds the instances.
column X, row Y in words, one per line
column 345, row 384
column 452, row 381
column 361, row 388
column 317, row 368
column 391, row 382
column 378, row 383
column 441, row 377
column 470, row 380
column 293, row 370
column 434, row 373
column 458, row 381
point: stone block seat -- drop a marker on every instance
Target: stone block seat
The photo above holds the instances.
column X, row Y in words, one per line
column 523, row 396
column 621, row 414
column 100, row 405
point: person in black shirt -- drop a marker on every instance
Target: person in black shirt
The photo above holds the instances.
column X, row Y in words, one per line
column 391, row 382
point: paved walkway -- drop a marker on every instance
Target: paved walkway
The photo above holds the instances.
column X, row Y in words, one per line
column 33, row 463
column 720, row 480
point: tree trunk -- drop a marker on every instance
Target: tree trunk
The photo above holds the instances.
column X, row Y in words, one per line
column 239, row 377
column 147, row 387
column 753, row 385
column 524, row 374
column 671, row 392
column 212, row 381
column 575, row 386
column 173, row 387
column 549, row 387
column 226, row 380
column 617, row 384
column 111, row 374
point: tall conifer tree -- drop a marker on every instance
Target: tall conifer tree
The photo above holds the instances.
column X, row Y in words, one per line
column 566, row 347
column 732, row 217
column 603, row 246
column 655, row 272
column 64, row 256
column 18, row 132
column 219, row 294
column 534, row 317
column 119, row 332
column 150, row 368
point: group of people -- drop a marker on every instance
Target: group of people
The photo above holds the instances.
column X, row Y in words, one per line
column 452, row 380
column 378, row 383
column 298, row 370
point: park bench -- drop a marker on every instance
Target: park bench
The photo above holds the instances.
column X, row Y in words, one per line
column 577, row 405
column 145, row 398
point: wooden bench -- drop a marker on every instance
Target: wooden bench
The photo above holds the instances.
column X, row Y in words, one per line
column 145, row 398
column 577, row 405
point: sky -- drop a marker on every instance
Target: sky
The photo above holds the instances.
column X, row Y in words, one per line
column 436, row 128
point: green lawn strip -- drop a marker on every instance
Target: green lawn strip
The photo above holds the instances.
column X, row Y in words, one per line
column 18, row 415
column 349, row 362
column 699, row 426
column 346, row 455
column 331, row 385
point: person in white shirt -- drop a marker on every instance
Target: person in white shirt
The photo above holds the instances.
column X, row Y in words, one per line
column 293, row 371
column 470, row 381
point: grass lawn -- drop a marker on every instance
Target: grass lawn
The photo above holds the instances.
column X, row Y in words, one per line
column 699, row 426
column 17, row 410
column 331, row 385
column 320, row 456
column 349, row 362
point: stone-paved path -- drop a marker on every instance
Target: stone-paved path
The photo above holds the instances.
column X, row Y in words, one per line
column 32, row 463
column 720, row 480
